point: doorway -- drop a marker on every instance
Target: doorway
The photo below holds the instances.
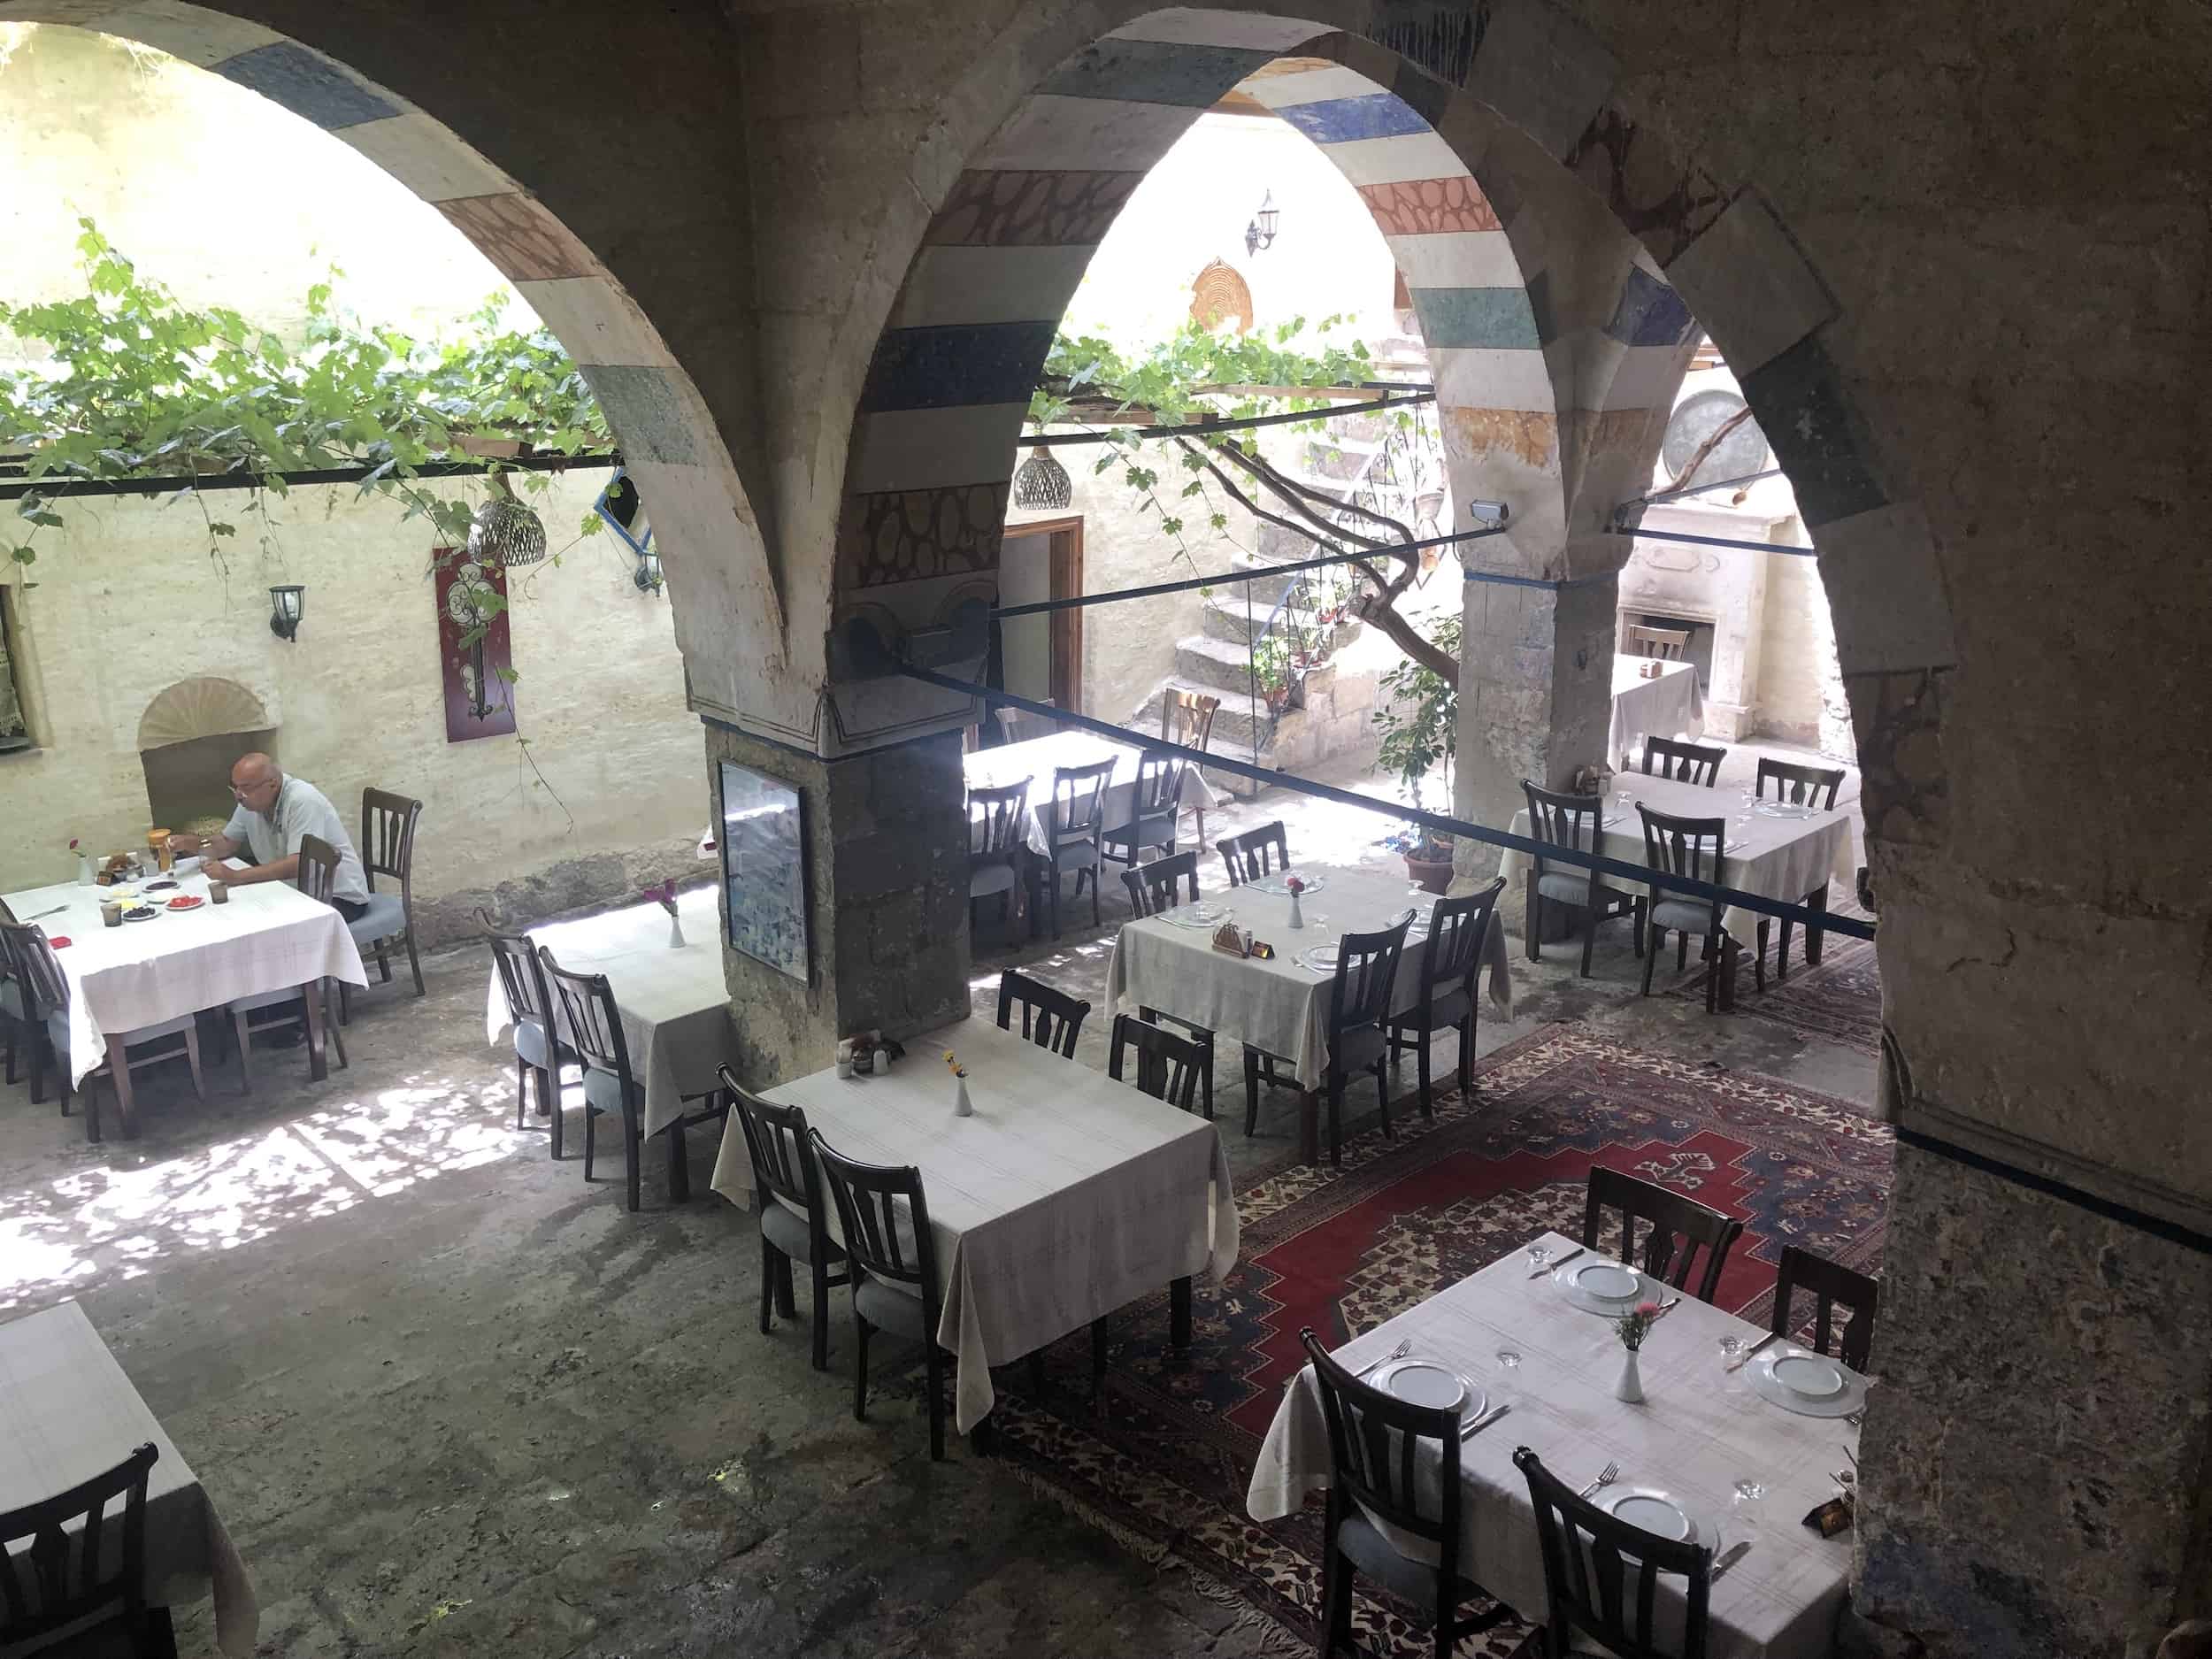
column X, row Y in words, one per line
column 1042, row 657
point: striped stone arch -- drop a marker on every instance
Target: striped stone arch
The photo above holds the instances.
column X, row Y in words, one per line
column 705, row 527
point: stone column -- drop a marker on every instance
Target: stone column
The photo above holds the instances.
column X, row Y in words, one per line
column 886, row 836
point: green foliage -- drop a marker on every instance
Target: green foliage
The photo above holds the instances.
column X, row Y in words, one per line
column 1419, row 716
column 139, row 385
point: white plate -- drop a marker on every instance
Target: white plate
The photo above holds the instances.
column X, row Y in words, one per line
column 1602, row 1294
column 1322, row 958
column 1656, row 1511
column 1423, row 1382
column 1808, row 1376
column 1274, row 884
column 1784, row 809
column 1196, row 915
column 1850, row 1393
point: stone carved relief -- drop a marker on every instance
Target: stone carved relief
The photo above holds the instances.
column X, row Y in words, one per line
column 1420, row 207
column 1665, row 205
column 907, row 536
column 1905, row 787
column 1020, row 209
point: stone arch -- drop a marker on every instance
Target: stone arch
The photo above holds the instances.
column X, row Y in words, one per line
column 206, row 705
column 705, row 525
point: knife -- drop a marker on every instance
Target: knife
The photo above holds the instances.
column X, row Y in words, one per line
column 1730, row 1556
column 1562, row 1262
column 1753, row 1350
column 56, row 910
column 1469, row 1429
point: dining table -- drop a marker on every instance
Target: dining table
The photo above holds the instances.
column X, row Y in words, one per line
column 1664, row 704
column 71, row 1414
column 1713, row 1443
column 1280, row 1006
column 1065, row 1195
column 269, row 936
column 671, row 997
column 1036, row 759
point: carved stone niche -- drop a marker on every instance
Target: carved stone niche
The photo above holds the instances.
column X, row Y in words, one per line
column 1724, row 589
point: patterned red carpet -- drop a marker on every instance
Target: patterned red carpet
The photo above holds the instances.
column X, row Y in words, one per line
column 1163, row 1464
column 1840, row 1001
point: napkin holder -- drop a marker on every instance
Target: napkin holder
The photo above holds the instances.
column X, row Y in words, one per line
column 1831, row 1517
column 1227, row 938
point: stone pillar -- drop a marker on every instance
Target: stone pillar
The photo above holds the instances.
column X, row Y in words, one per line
column 886, row 836
column 1535, row 698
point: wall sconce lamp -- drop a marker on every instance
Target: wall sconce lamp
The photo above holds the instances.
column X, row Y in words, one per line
column 648, row 575
column 624, row 510
column 1259, row 232
column 288, row 604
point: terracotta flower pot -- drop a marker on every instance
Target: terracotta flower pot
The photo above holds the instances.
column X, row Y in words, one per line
column 1431, row 875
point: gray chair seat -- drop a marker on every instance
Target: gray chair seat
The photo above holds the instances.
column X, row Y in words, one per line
column 1446, row 1009
column 1156, row 830
column 57, row 1033
column 988, row 879
column 1080, row 849
column 385, row 918
column 603, row 1090
column 1685, row 914
column 531, row 1045
column 1358, row 1050
column 788, row 1232
column 891, row 1306
column 12, row 1000
column 1567, row 890
column 1374, row 1555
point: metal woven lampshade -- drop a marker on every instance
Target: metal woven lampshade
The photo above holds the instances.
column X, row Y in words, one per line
column 502, row 531
column 1041, row 482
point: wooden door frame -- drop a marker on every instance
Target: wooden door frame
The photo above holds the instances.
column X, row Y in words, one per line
column 1064, row 648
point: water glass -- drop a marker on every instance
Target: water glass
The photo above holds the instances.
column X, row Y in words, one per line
column 1750, row 1492
column 1538, row 1255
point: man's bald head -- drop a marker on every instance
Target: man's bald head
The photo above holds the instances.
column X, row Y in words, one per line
column 255, row 781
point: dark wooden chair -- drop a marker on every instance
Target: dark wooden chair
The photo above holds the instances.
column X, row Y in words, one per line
column 1800, row 786
column 1666, row 644
column 593, row 1026
column 1079, row 794
column 1154, row 807
column 66, row 1561
column 884, row 1215
column 280, row 1009
column 1018, row 725
column 1678, row 1227
column 1683, row 763
column 1167, row 1066
column 1687, row 847
column 794, row 1214
column 1575, row 823
column 1831, row 1286
column 1051, row 1018
column 46, row 995
column 1588, row 1559
column 1448, row 995
column 16, row 1024
column 539, row 1052
column 1359, row 1008
column 1152, row 888
column 1377, row 1443
column 1255, row 853
column 995, row 844
column 1187, row 718
column 388, row 848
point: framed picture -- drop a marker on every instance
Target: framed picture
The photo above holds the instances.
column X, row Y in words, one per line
column 764, row 868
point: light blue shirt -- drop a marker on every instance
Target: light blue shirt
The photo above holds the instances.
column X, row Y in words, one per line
column 301, row 810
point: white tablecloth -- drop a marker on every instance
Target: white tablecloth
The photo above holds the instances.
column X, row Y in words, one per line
column 673, row 1003
column 1067, row 1195
column 1699, row 1430
column 270, row 935
column 1280, row 1007
column 1036, row 761
column 71, row 1414
column 1666, row 706
column 1775, row 857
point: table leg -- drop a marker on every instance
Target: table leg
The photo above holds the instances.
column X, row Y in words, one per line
column 317, row 1067
column 1727, row 968
column 1815, row 900
column 1178, row 1312
column 680, row 1167
column 1308, row 1126
column 126, row 1104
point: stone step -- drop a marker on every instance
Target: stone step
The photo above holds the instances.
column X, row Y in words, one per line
column 1242, row 719
column 1224, row 665
column 1223, row 619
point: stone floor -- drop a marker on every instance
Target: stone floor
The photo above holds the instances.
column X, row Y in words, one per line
column 450, row 1400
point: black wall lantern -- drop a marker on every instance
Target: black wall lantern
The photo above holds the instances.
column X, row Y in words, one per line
column 1259, row 232
column 648, row 576
column 288, row 605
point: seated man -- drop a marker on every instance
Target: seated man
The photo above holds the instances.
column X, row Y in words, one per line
column 274, row 813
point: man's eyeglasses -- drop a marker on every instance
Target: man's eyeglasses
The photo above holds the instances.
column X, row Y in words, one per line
column 251, row 788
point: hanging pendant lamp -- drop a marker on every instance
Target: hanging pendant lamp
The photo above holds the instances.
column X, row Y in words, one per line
column 502, row 531
column 1042, row 482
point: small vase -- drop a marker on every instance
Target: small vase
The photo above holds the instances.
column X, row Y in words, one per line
column 962, row 1106
column 1631, row 1386
column 676, row 940
column 84, row 871
column 1297, row 917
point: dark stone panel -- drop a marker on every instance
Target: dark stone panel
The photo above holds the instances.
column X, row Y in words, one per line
column 953, row 366
column 286, row 73
column 1476, row 317
column 642, row 408
column 1539, row 305
column 1424, row 95
column 1155, row 71
column 1345, row 121
column 1799, row 403
column 1650, row 313
column 1441, row 39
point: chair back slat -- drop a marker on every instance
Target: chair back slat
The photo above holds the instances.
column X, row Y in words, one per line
column 1589, row 1556
column 1078, row 794
column 1051, row 1018
column 1159, row 785
column 522, row 976
column 1454, row 949
column 1255, row 853
column 1574, row 822
column 1168, row 1065
column 1187, row 718
column 777, row 1141
column 60, row 1575
column 1684, row 763
column 1800, row 786
column 1678, row 1227
column 871, row 1201
column 590, row 1020
column 1151, row 886
column 994, row 819
column 387, row 836
column 1377, row 1445
column 318, row 868
column 46, row 988
column 1833, row 1286
column 1366, row 976
column 1666, row 644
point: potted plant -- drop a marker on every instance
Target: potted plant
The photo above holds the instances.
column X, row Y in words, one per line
column 1271, row 667
column 1420, row 717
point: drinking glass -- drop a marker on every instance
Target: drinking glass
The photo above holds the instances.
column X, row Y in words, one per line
column 1510, row 1358
column 1750, row 1490
column 1538, row 1255
column 1730, row 1349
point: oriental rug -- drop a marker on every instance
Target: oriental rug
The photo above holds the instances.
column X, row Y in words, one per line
column 1838, row 1001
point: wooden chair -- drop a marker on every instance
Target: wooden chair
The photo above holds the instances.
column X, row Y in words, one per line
column 1078, row 794
column 1679, row 1226
column 1359, row 1006
column 1187, row 718
column 1448, row 997
column 1687, row 847
column 51, row 1558
column 1832, row 1285
column 1588, row 1557
column 1167, row 1066
column 1666, row 644
column 995, row 844
column 1576, row 823
column 539, row 1052
column 1377, row 1444
column 287, row 1007
column 46, row 997
column 1151, row 890
column 1154, row 807
column 1684, row 763
column 1051, row 1018
column 793, row 1215
column 594, row 1029
column 1018, row 725
column 388, row 848
column 1255, row 853
column 1800, row 786
column 884, row 1217
column 15, row 1009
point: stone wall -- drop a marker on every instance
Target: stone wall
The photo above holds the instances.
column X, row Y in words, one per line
column 1801, row 689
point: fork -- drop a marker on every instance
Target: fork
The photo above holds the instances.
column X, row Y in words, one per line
column 1405, row 1347
column 1606, row 1477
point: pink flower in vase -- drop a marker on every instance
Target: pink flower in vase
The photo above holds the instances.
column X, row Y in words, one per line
column 664, row 895
column 1647, row 1309
column 1295, row 884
